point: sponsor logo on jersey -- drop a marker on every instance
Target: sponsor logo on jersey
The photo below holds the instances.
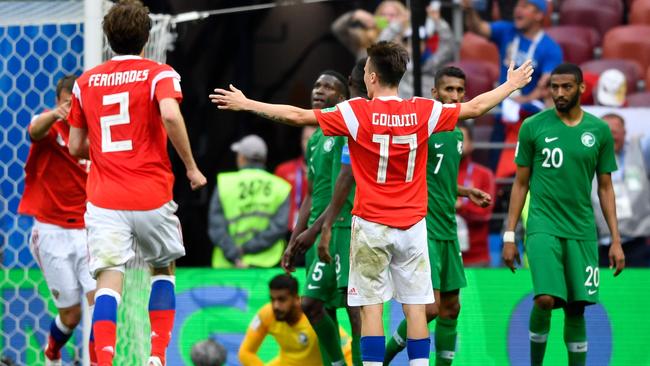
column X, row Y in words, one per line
column 328, row 110
column 329, row 143
column 352, row 291
column 459, row 147
column 59, row 140
column 256, row 322
column 588, row 139
column 550, row 139
column 312, row 287
column 438, row 145
column 303, row 339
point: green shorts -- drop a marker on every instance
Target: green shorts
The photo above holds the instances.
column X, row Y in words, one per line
column 341, row 238
column 564, row 268
column 321, row 279
column 447, row 271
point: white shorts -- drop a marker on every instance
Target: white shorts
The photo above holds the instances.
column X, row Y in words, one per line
column 62, row 255
column 386, row 262
column 114, row 234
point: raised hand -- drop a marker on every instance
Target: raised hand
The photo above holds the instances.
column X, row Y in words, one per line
column 521, row 76
column 61, row 111
column 232, row 99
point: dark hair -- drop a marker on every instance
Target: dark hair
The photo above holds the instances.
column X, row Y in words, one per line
column 469, row 126
column 451, row 71
column 284, row 282
column 127, row 26
column 614, row 115
column 338, row 76
column 65, row 83
column 568, row 69
column 356, row 77
column 388, row 60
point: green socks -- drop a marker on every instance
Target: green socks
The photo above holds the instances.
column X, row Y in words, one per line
column 539, row 325
column 575, row 337
column 329, row 339
column 396, row 343
column 445, row 340
column 356, row 350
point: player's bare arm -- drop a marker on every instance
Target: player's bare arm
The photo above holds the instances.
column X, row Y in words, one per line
column 481, row 104
column 235, row 100
column 608, row 206
column 510, row 253
column 477, row 196
column 342, row 187
column 78, row 142
column 41, row 125
column 175, row 126
column 301, row 224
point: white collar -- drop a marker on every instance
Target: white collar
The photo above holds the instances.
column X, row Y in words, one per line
column 390, row 97
column 126, row 57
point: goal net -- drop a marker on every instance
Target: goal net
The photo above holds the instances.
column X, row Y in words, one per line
column 40, row 42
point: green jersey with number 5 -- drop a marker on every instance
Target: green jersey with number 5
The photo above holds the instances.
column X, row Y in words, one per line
column 563, row 161
column 445, row 151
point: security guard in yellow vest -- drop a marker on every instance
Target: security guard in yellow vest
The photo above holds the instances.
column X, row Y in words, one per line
column 249, row 211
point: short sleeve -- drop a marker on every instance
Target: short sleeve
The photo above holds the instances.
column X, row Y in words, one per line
column 525, row 149
column 443, row 117
column 76, row 116
column 551, row 58
column 500, row 30
column 340, row 120
column 262, row 319
column 345, row 154
column 166, row 84
column 606, row 155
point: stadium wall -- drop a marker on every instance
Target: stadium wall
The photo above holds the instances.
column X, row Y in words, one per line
column 493, row 326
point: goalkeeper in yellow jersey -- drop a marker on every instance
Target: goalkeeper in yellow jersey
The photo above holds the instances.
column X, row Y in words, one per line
column 284, row 320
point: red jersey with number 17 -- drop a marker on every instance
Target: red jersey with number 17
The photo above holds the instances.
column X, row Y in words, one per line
column 388, row 149
column 117, row 102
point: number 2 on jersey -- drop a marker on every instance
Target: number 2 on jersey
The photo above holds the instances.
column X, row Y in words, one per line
column 384, row 144
column 122, row 118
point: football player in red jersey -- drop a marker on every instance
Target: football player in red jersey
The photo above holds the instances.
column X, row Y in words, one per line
column 122, row 113
column 55, row 195
column 387, row 138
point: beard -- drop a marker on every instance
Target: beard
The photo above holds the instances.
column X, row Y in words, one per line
column 563, row 106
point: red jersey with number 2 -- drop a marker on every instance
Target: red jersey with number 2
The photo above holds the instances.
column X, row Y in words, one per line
column 117, row 102
column 388, row 149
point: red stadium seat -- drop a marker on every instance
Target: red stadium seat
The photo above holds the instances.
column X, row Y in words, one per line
column 475, row 47
column 631, row 70
column 641, row 99
column 577, row 42
column 640, row 12
column 630, row 42
column 601, row 15
column 647, row 79
column 480, row 76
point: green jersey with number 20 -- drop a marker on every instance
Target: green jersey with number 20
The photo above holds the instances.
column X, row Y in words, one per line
column 563, row 161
